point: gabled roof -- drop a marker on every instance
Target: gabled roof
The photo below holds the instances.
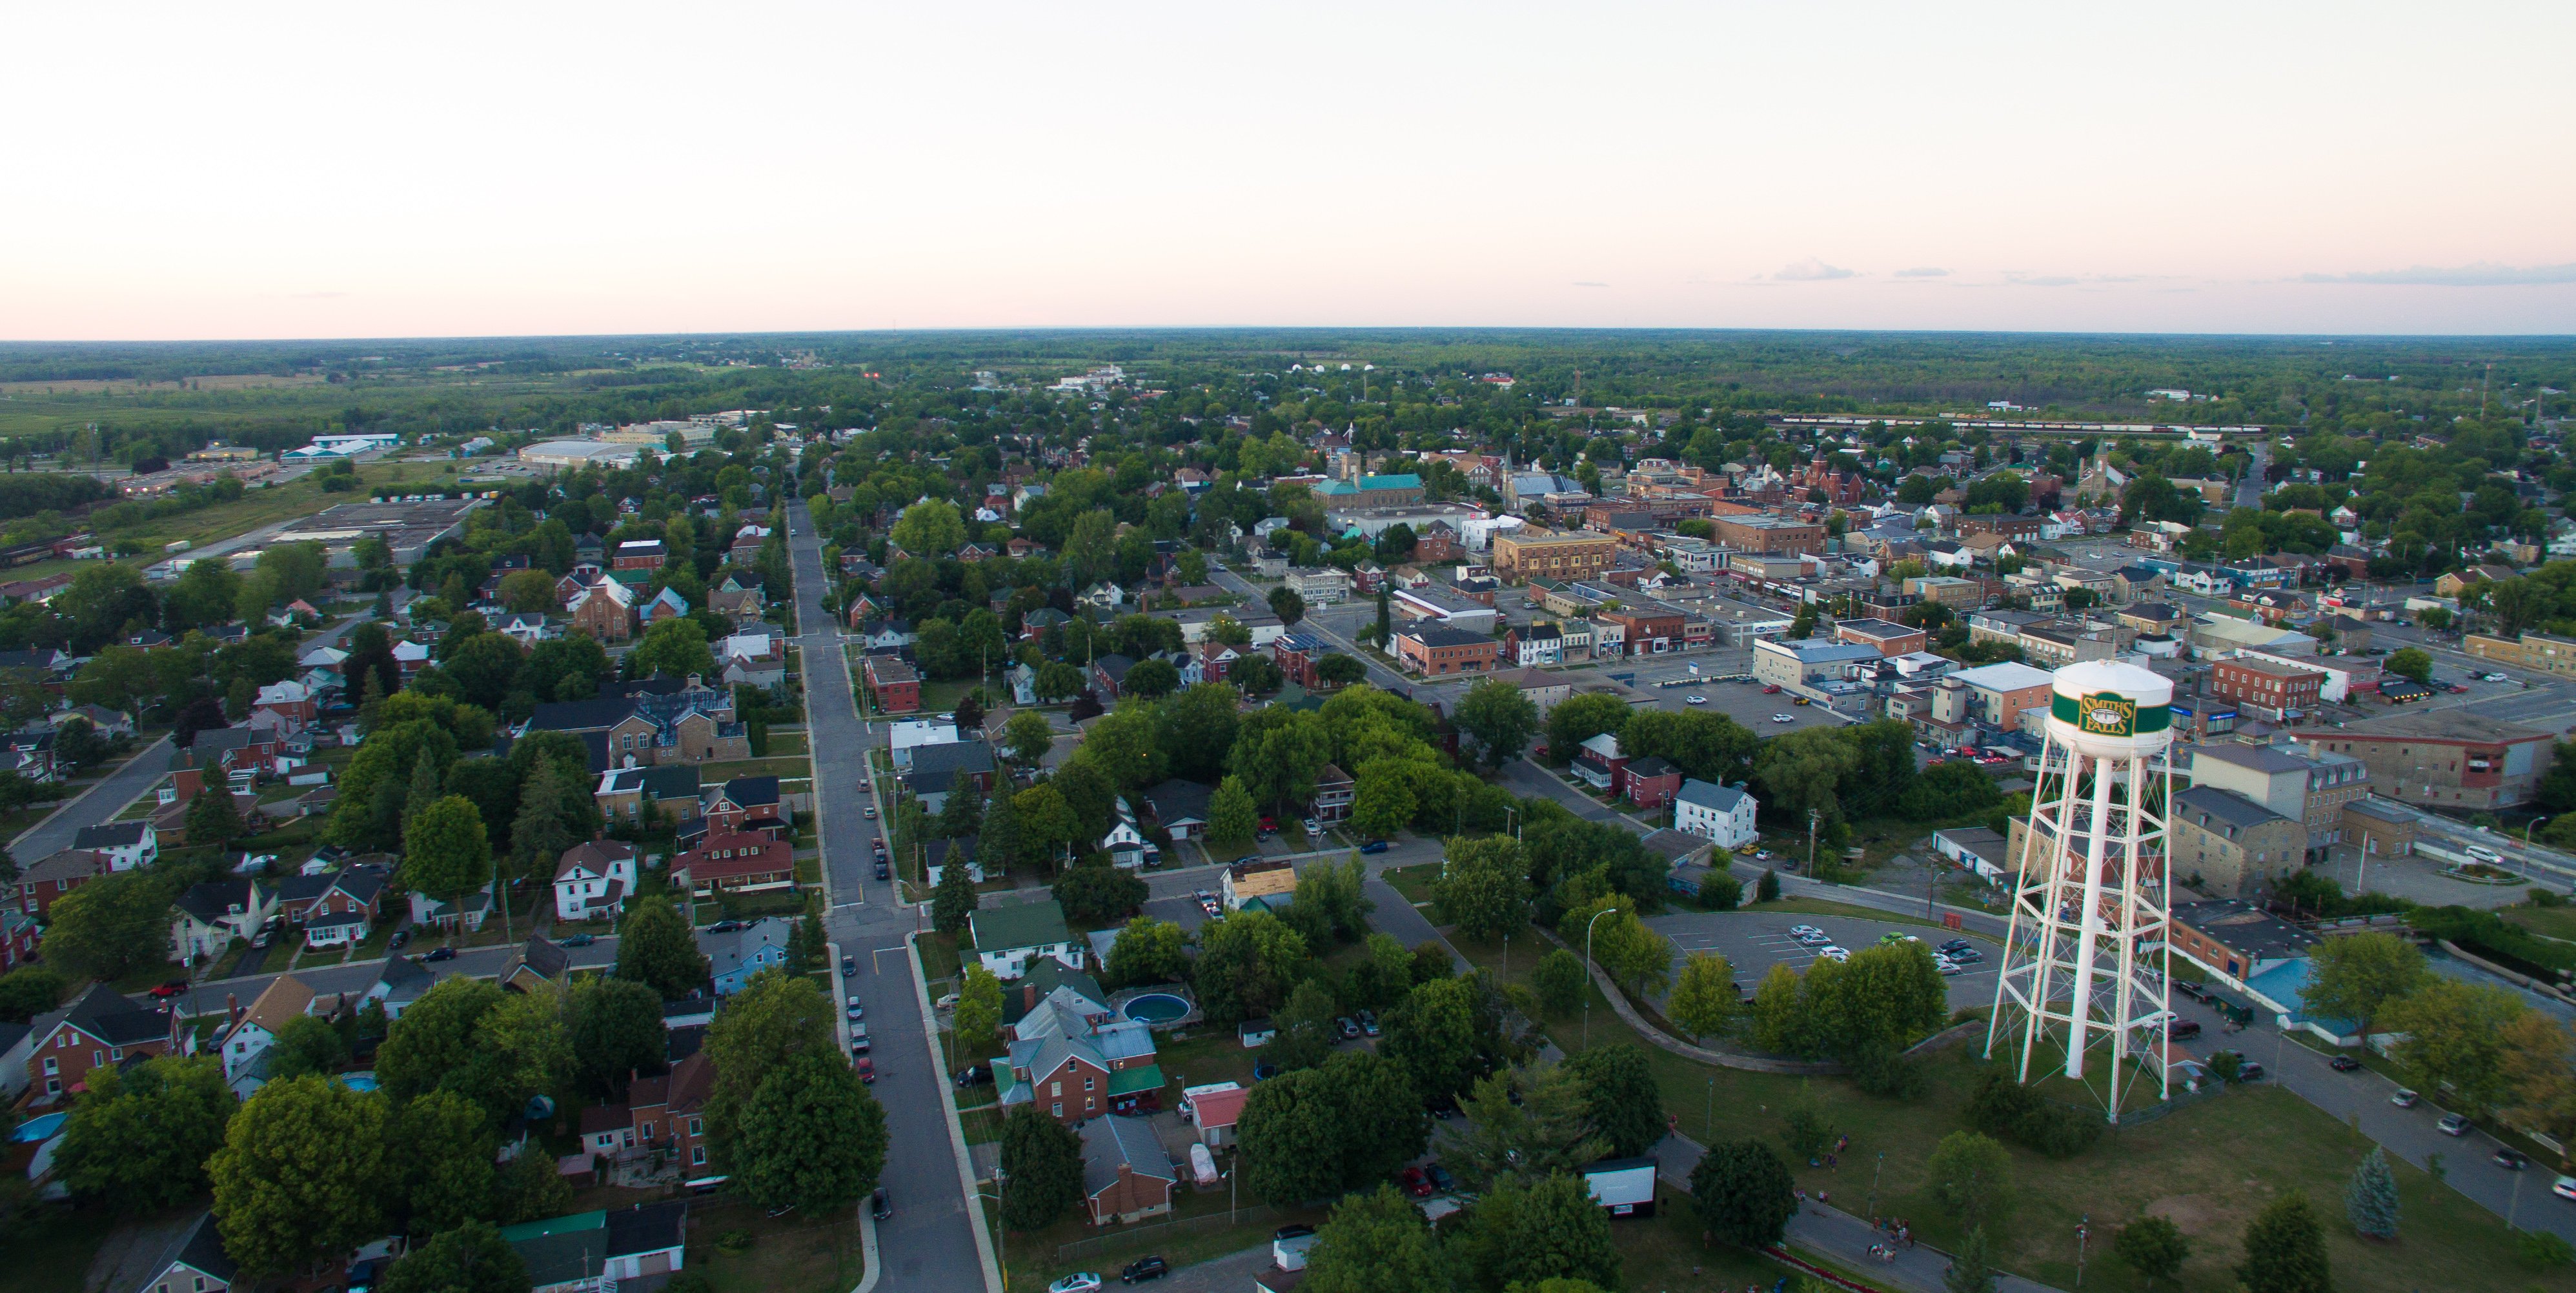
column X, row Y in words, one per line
column 214, row 900
column 199, row 1248
column 111, row 835
column 103, row 1014
column 1180, row 801
column 1710, row 795
column 952, row 757
column 593, row 855
column 1108, row 1143
column 285, row 998
column 1023, row 924
column 753, row 792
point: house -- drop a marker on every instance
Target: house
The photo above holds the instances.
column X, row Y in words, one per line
column 591, row 1252
column 1270, row 884
column 1126, row 1177
column 1181, row 807
column 1102, row 596
column 592, row 880
column 1720, row 814
column 1125, row 843
column 651, row 722
column 209, row 916
column 539, row 964
column 756, row 657
column 623, row 794
column 401, row 983
column 1652, row 782
column 102, row 1027
column 1213, row 1109
column 466, row 911
column 335, row 908
column 1006, row 938
column 1436, row 650
column 1108, row 672
column 56, row 874
column 605, row 610
column 1073, row 1057
column 667, row 604
column 193, row 1262
column 1335, row 792
column 664, row 1114
column 745, row 804
column 735, row 862
column 1601, row 765
column 125, row 845
column 936, row 855
column 733, row 956
column 893, row 686
column 246, row 1035
column 939, row 769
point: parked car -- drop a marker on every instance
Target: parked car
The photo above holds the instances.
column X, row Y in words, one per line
column 2404, row 1099
column 1947, row 966
column 2453, row 1124
column 868, row 811
column 2182, row 1028
column 577, row 940
column 1784, row 718
column 1314, row 827
column 880, row 1206
column 883, row 872
column 1416, row 1182
column 1694, row 700
column 1770, row 689
column 401, row 937
column 2343, row 1064
column 724, row 927
column 1368, row 1023
column 1833, row 953
column 849, row 966
column 1967, row 956
column 2191, row 989
column 171, row 989
column 1441, row 1180
column 2249, row 1071
column 974, row 1075
column 1374, row 846
column 440, row 954
column 1084, row 1282
column 2511, row 1160
column 1144, row 1268
column 1246, row 858
column 1347, row 1027
column 866, row 1069
column 856, row 1011
column 2564, row 1187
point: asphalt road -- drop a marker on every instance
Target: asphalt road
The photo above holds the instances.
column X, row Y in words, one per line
column 930, row 1243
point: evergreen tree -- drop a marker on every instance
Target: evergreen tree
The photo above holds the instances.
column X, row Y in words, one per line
column 963, row 812
column 953, row 903
column 2285, row 1250
column 1969, row 1271
column 538, row 835
column 424, row 785
column 2370, row 1200
column 1768, row 888
column 212, row 818
column 999, row 841
column 1041, row 1169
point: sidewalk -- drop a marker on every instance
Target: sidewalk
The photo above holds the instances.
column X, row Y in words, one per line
column 1838, row 1236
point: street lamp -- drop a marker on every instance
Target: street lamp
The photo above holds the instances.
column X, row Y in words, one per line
column 1587, row 973
column 2526, row 830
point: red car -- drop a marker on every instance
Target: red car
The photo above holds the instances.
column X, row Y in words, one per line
column 171, row 989
column 1416, row 1182
column 1770, row 689
column 867, row 1069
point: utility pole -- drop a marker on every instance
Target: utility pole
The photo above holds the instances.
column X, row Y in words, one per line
column 1812, row 817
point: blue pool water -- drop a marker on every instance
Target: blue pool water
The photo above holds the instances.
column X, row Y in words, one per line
column 35, row 1130
column 1156, row 1007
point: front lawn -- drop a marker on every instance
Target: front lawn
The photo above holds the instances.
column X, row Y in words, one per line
column 741, row 1249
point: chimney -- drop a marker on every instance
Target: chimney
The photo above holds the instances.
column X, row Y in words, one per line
column 233, row 1007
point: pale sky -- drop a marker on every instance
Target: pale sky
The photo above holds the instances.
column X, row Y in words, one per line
column 255, row 170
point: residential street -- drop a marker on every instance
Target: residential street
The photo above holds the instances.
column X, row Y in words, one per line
column 930, row 1243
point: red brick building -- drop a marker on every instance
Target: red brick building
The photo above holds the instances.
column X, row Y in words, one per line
column 1437, row 651
column 1653, row 781
column 52, row 876
column 102, row 1028
column 2265, row 684
column 1886, row 638
column 892, row 684
column 1649, row 632
column 735, row 860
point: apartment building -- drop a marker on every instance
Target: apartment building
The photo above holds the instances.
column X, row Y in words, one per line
column 2272, row 689
column 1768, row 534
column 2302, row 782
column 2447, row 758
column 1547, row 554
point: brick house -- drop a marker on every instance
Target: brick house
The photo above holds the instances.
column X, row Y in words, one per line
column 665, row 1113
column 1652, row 782
column 1889, row 639
column 1438, row 651
column 736, row 861
column 640, row 554
column 56, row 874
column 623, row 793
column 1648, row 632
column 1601, row 765
column 336, row 908
column 1126, row 1176
column 1297, row 654
column 745, row 804
column 100, row 1028
column 893, row 686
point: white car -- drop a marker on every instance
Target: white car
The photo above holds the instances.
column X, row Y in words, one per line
column 2483, row 854
column 1947, row 966
column 2493, row 677
column 1805, row 932
column 1784, row 718
column 1085, row 1282
column 1832, row 953
column 1694, row 700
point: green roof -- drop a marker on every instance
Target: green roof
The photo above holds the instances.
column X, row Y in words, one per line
column 1024, row 924
column 556, row 1226
column 1130, row 1081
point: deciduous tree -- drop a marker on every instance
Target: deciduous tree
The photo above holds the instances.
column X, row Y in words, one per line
column 2285, row 1249
column 811, row 1137
column 775, row 1018
column 138, row 1138
column 1705, row 999
column 1618, row 1086
column 1970, row 1177
column 2357, row 977
column 1558, row 980
column 657, row 948
column 1232, row 820
column 442, row 1150
column 110, row 926
column 1485, row 889
column 1376, row 1242
column 445, row 854
column 2456, row 1038
column 303, row 1174
column 2154, row 1247
column 1041, row 1169
column 471, row 1258
column 616, row 1033
column 1744, row 1193
column 1500, row 718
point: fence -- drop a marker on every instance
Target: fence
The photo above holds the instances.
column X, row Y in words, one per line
column 1257, row 1216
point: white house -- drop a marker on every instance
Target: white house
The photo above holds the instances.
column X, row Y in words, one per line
column 1103, row 596
column 903, row 735
column 208, row 917
column 127, row 845
column 1720, row 814
column 1125, row 844
column 593, row 879
column 1008, row 937
column 247, row 1034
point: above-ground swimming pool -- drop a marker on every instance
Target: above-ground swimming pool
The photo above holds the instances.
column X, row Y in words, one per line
column 1156, row 1008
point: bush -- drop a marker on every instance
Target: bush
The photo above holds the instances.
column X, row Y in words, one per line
column 2004, row 1108
column 1884, row 1071
column 2543, row 1249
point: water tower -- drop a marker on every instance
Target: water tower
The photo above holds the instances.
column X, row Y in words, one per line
column 2083, row 982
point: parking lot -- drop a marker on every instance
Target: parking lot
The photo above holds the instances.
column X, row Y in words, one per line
column 1753, row 942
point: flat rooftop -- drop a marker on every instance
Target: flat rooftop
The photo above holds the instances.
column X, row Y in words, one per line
column 407, row 528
